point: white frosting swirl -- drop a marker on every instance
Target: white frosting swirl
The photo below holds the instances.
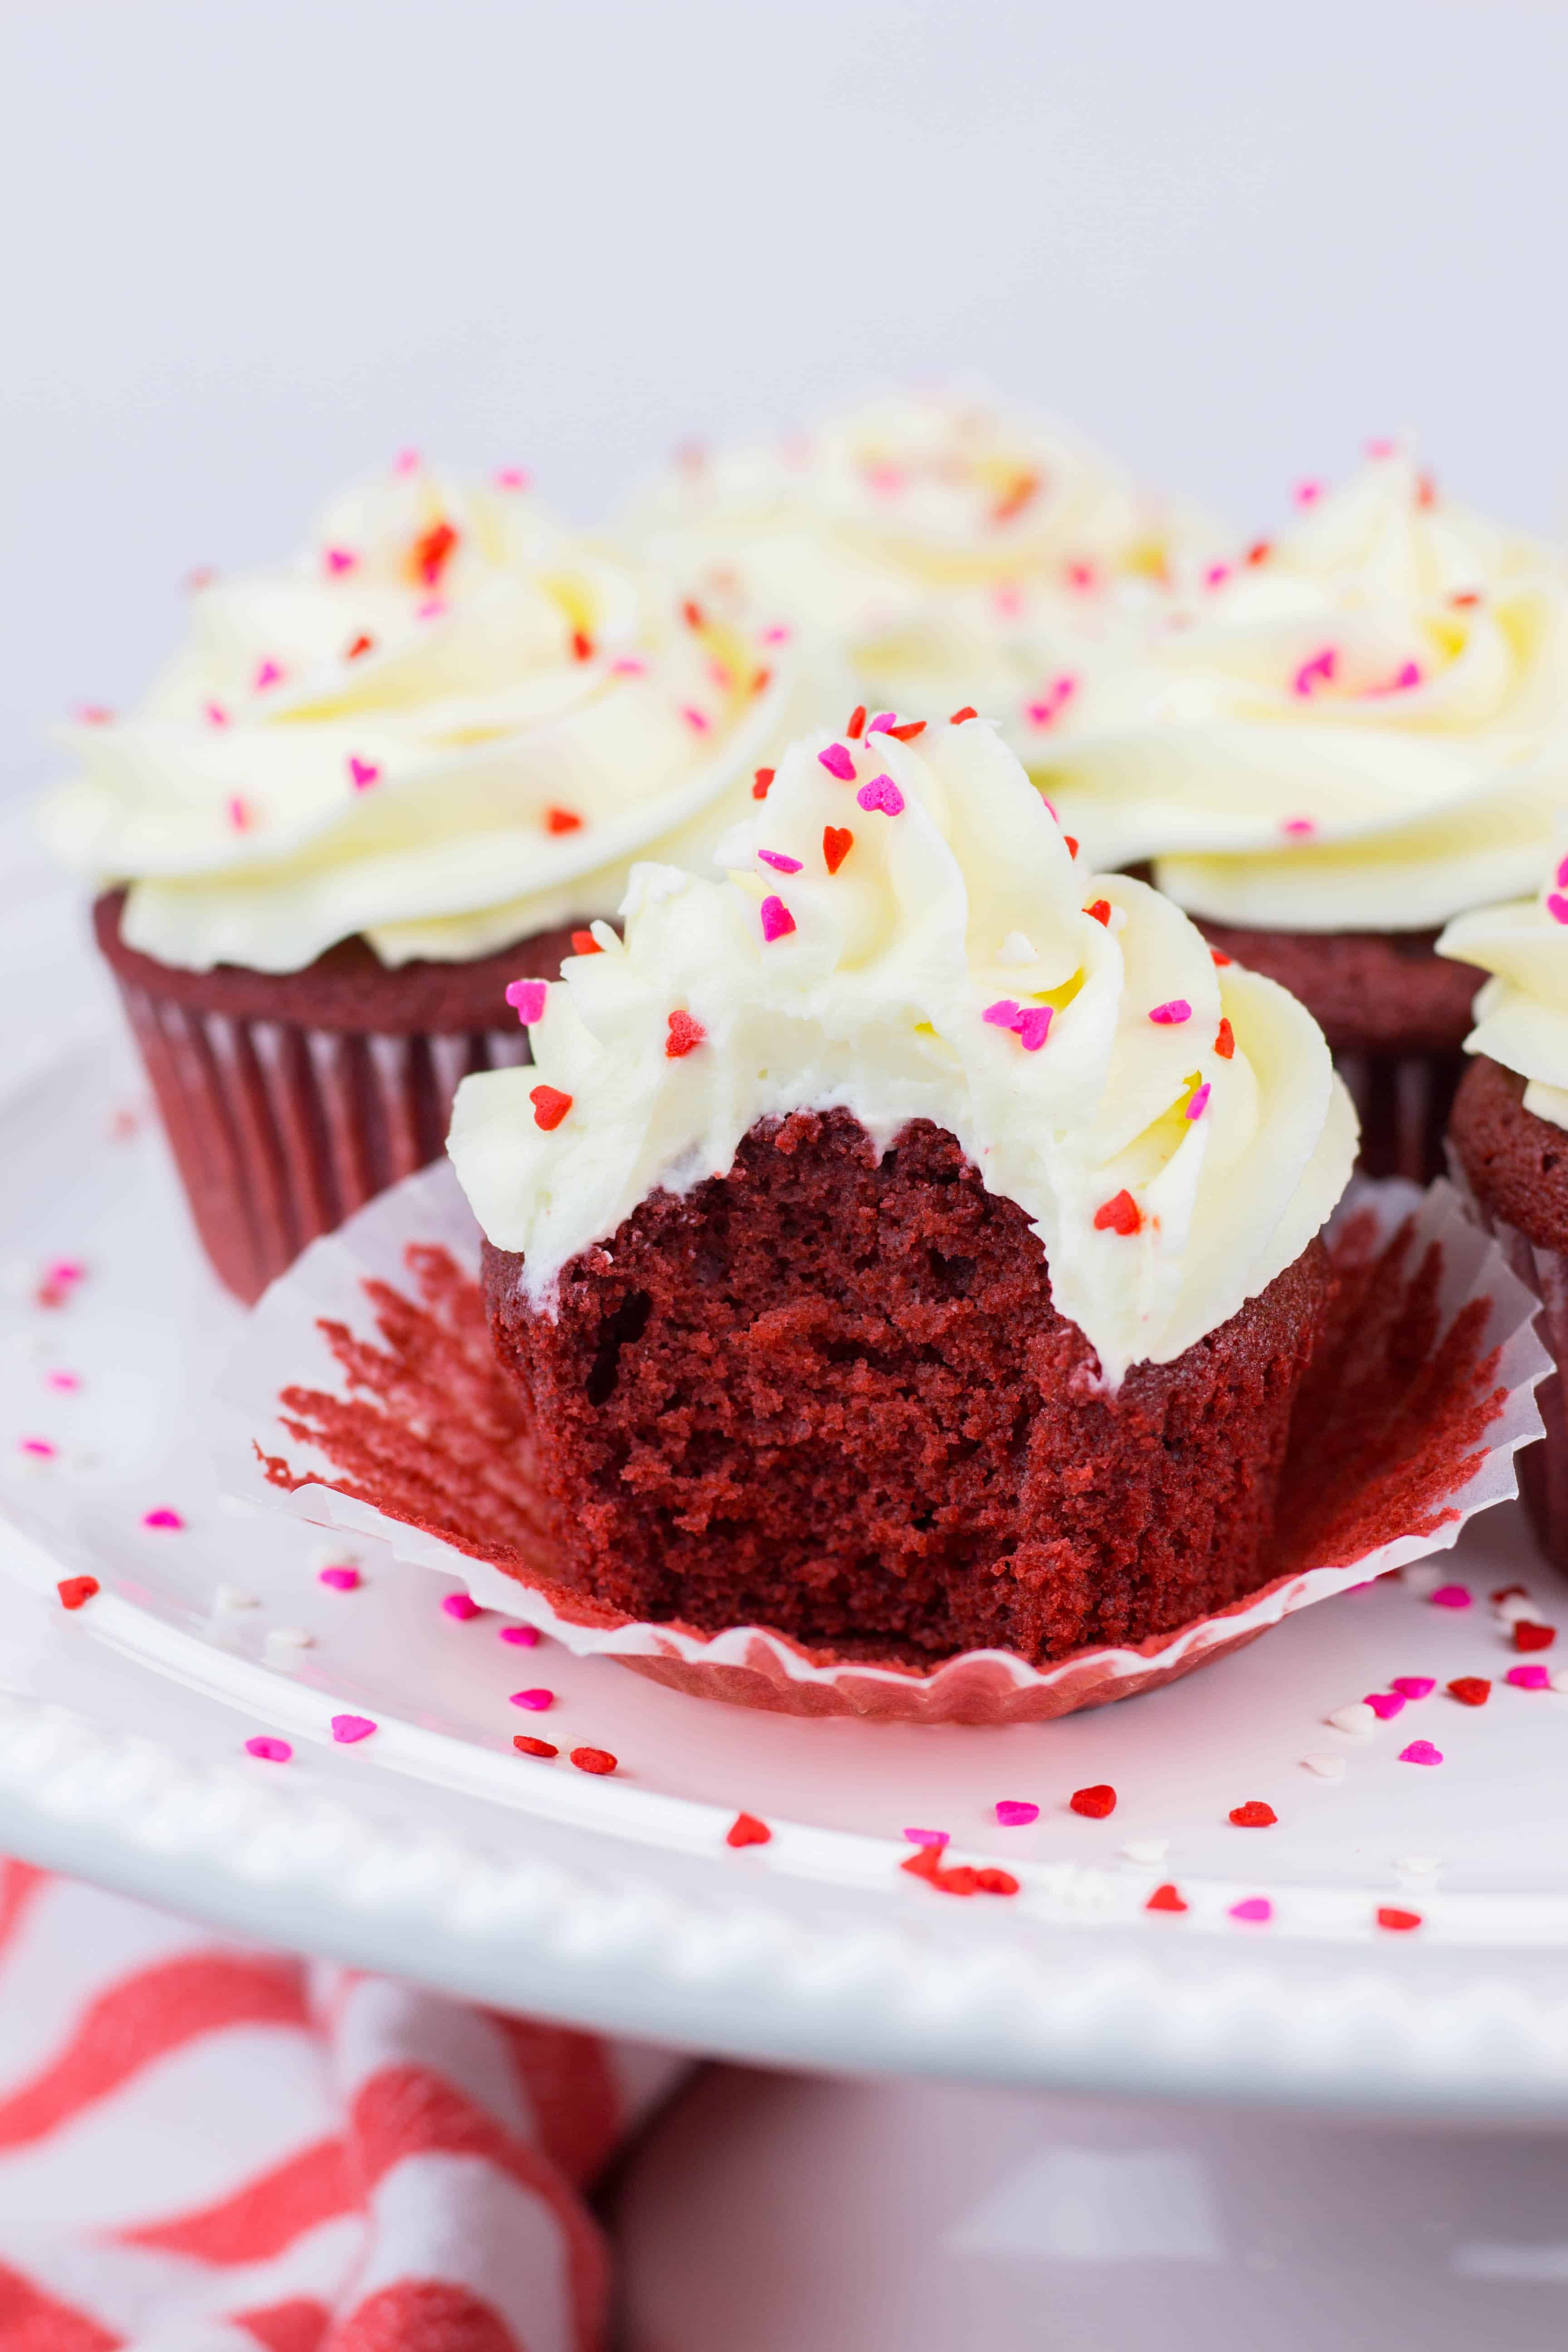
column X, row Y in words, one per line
column 913, row 517
column 1362, row 726
column 449, row 724
column 1521, row 1013
column 1174, row 1131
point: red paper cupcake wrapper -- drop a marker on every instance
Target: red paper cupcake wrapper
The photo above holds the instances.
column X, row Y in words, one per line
column 281, row 1132
column 365, row 1397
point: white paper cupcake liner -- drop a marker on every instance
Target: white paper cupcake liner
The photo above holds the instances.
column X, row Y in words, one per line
column 1483, row 1349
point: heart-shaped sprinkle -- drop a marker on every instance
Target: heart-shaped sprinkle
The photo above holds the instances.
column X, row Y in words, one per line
column 74, row 1590
column 684, row 1036
column 1120, row 1214
column 521, row 1637
column 1421, row 1751
column 1094, row 1802
column 342, row 1578
column 362, row 773
column 1384, row 1705
column 779, row 862
column 838, row 762
column 1414, row 1685
column 1529, row 1677
column 1398, row 1922
column 271, row 1751
column 593, row 1759
column 1165, row 1898
column 760, row 781
column 1452, row 1596
column 268, row 674
column 1172, row 1014
column 528, row 999
column 162, row 1517
column 348, row 1729
column 746, row 1830
column 927, row 1837
column 527, row 1746
column 881, row 793
column 1327, row 1768
column 340, row 560
column 838, row 841
column 1199, row 1103
column 1255, row 1908
column 1253, row 1815
column 536, row 1701
column 1471, row 1690
column 562, row 820
column 776, row 920
column 1528, row 1635
column 1015, row 1813
column 461, row 1606
column 1033, row 1026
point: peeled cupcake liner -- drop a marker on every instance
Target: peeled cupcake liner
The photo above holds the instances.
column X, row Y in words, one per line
column 1482, row 1355
column 1542, row 1469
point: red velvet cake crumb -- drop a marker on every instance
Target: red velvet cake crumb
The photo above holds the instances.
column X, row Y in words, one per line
column 829, row 1392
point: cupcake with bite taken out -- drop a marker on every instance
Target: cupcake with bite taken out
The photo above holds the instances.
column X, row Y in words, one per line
column 909, row 1241
column 1508, row 1138
column 378, row 785
column 1349, row 736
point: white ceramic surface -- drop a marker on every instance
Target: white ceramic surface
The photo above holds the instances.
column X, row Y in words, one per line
column 433, row 1850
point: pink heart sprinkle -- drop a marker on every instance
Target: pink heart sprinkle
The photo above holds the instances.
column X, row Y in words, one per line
column 39, row 1448
column 1033, row 1026
column 884, row 720
column 1308, row 493
column 347, row 1729
column 838, row 762
column 628, row 666
column 927, row 1837
column 1529, row 1677
column 67, row 1270
column 511, row 478
column 1003, row 1014
column 1557, row 906
column 431, row 609
column 1199, row 1102
column 1415, row 1685
column 1407, row 675
column 1421, row 1751
column 162, row 1517
column 780, row 864
column 537, row 1700
column 1216, row 574
column 341, row 559
column 405, row 462
column 527, row 998
column 67, row 1383
column 1562, row 874
column 268, row 674
column 1015, row 1815
column 341, row 1579
column 883, row 793
column 1384, row 1705
column 459, row 1605
column 698, row 720
column 363, row 773
column 1253, row 1906
column 1321, row 668
column 217, row 716
column 1169, row 1015
column 1299, row 828
column 271, row 1751
column 778, row 920
column 1451, row 1596
column 523, row 1637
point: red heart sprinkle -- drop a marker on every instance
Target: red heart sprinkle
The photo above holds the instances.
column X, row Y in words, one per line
column 1095, row 1802
column 560, row 820
column 1530, row 1637
column 1224, row 1042
column 527, row 1746
column 1471, row 1690
column 585, row 943
column 685, row 1035
column 968, row 711
column 838, row 841
column 760, row 781
column 1120, row 1214
column 582, row 645
column 1165, row 1898
column 1071, row 843
column 361, row 644
column 1390, row 1915
column 992, row 1881
column 1508, row 1592
column 74, row 1589
column 959, row 1880
column 550, row 1107
column 746, row 1830
column 1253, row 1815
column 593, row 1759
column 856, row 726
column 907, row 734
column 1101, row 909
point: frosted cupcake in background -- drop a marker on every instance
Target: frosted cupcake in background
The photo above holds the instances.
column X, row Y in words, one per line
column 909, row 1242
column 1349, row 735
column 957, row 549
column 378, row 785
column 1507, row 1139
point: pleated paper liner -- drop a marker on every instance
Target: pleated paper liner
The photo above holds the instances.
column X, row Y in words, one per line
column 365, row 1397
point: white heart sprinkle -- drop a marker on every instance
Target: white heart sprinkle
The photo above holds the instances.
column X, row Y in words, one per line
column 1559, row 1679
column 233, row 1596
column 1515, row 1605
column 1421, row 1578
column 1417, row 1865
column 1327, row 1768
column 1357, row 1720
column 1146, row 1849
column 335, row 1556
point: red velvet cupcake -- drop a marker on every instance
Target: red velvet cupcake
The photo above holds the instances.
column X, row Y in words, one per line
column 909, row 1244
column 378, row 785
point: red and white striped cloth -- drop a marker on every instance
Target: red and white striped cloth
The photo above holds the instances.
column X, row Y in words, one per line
column 206, row 2147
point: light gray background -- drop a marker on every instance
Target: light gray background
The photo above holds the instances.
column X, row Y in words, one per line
column 251, row 245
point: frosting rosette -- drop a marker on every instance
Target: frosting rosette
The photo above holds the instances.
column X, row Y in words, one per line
column 903, row 931
column 448, row 724
column 1361, row 725
column 1521, row 1013
column 915, row 516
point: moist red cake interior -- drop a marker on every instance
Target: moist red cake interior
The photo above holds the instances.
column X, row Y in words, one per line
column 829, row 1392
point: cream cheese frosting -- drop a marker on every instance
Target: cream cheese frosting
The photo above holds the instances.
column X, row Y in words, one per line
column 901, row 525
column 1363, row 725
column 448, row 724
column 1521, row 1013
column 903, row 931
